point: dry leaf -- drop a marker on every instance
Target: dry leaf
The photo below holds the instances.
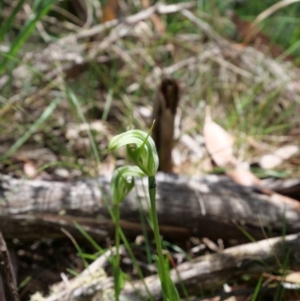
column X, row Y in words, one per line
column 293, row 277
column 156, row 20
column 243, row 176
column 278, row 198
column 30, row 169
column 32, row 172
column 219, row 143
column 276, row 158
column 110, row 11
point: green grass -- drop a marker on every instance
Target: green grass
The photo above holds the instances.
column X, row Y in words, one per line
column 40, row 9
column 247, row 107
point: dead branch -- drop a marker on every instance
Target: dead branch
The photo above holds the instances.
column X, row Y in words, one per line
column 207, row 272
column 209, row 206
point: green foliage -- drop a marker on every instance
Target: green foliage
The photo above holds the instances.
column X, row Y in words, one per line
column 249, row 110
column 118, row 277
column 257, row 289
column 40, row 9
column 46, row 114
column 282, row 27
column 8, row 23
column 123, row 181
column 168, row 287
column 142, row 151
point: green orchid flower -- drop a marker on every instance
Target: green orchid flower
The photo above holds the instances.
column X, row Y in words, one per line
column 141, row 149
column 123, row 181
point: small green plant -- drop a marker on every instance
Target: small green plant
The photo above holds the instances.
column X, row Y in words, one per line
column 142, row 151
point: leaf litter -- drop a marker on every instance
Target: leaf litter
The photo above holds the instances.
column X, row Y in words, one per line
column 212, row 72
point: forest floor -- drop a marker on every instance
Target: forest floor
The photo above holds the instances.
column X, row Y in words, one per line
column 70, row 82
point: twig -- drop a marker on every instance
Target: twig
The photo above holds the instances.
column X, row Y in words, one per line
column 204, row 27
column 253, row 30
column 159, row 8
column 39, row 25
column 7, row 272
column 228, row 265
column 157, row 22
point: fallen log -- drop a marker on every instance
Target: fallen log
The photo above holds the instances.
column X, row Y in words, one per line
column 209, row 206
column 204, row 273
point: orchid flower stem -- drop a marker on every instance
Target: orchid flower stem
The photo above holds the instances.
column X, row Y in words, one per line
column 116, row 210
column 152, row 193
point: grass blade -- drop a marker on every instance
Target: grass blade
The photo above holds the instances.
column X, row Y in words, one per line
column 7, row 24
column 257, row 289
column 46, row 114
column 26, row 31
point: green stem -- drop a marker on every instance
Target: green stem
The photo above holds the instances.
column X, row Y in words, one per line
column 117, row 258
column 152, row 192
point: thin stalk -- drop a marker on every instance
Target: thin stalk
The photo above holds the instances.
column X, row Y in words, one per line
column 117, row 257
column 152, row 193
column 127, row 246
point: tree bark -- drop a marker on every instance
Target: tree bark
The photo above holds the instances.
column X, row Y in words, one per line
column 209, row 206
